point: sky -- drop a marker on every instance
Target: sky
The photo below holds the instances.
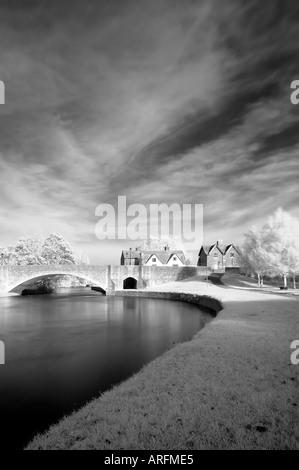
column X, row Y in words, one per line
column 165, row 101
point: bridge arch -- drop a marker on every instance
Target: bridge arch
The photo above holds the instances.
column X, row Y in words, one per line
column 130, row 283
column 19, row 284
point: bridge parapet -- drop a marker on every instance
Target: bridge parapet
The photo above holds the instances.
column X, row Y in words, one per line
column 109, row 278
column 12, row 276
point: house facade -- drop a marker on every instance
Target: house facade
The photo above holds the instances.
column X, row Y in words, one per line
column 219, row 256
column 130, row 257
column 164, row 257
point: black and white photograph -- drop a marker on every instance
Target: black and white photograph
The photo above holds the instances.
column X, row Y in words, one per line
column 149, row 227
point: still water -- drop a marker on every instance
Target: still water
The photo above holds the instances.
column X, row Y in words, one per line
column 63, row 349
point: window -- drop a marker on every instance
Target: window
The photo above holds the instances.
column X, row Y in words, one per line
column 215, row 255
column 154, row 259
column 174, row 258
column 232, row 255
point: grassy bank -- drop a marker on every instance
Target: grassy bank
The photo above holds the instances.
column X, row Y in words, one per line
column 231, row 387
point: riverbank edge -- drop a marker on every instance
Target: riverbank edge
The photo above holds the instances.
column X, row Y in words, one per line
column 213, row 305
column 133, row 405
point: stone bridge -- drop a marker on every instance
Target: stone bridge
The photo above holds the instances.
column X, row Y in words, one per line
column 108, row 278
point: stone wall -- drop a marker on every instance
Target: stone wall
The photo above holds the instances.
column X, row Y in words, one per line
column 154, row 276
column 203, row 301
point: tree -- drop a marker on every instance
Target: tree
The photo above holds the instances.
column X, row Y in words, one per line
column 292, row 262
column 256, row 256
column 8, row 255
column 275, row 249
column 31, row 250
column 282, row 231
column 28, row 250
column 56, row 250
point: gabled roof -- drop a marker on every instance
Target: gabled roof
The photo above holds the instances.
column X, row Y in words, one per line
column 227, row 248
column 181, row 257
column 163, row 255
column 205, row 248
column 222, row 248
column 238, row 250
column 208, row 248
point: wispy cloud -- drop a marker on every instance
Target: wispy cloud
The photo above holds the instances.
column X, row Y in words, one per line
column 163, row 101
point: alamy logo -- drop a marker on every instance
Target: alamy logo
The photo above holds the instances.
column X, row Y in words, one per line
column 2, row 353
column 2, row 92
column 140, row 222
column 295, row 354
column 295, row 94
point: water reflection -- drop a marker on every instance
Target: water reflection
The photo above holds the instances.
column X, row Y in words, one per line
column 63, row 349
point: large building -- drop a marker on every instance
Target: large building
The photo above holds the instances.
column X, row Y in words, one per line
column 165, row 257
column 130, row 257
column 219, row 256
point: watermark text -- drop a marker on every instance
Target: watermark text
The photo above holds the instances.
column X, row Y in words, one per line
column 295, row 94
column 295, row 354
column 2, row 353
column 2, row 92
column 140, row 222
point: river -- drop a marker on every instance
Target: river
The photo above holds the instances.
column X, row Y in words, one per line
column 63, row 349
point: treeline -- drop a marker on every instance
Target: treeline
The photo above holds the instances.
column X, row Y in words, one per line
column 274, row 250
column 32, row 250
